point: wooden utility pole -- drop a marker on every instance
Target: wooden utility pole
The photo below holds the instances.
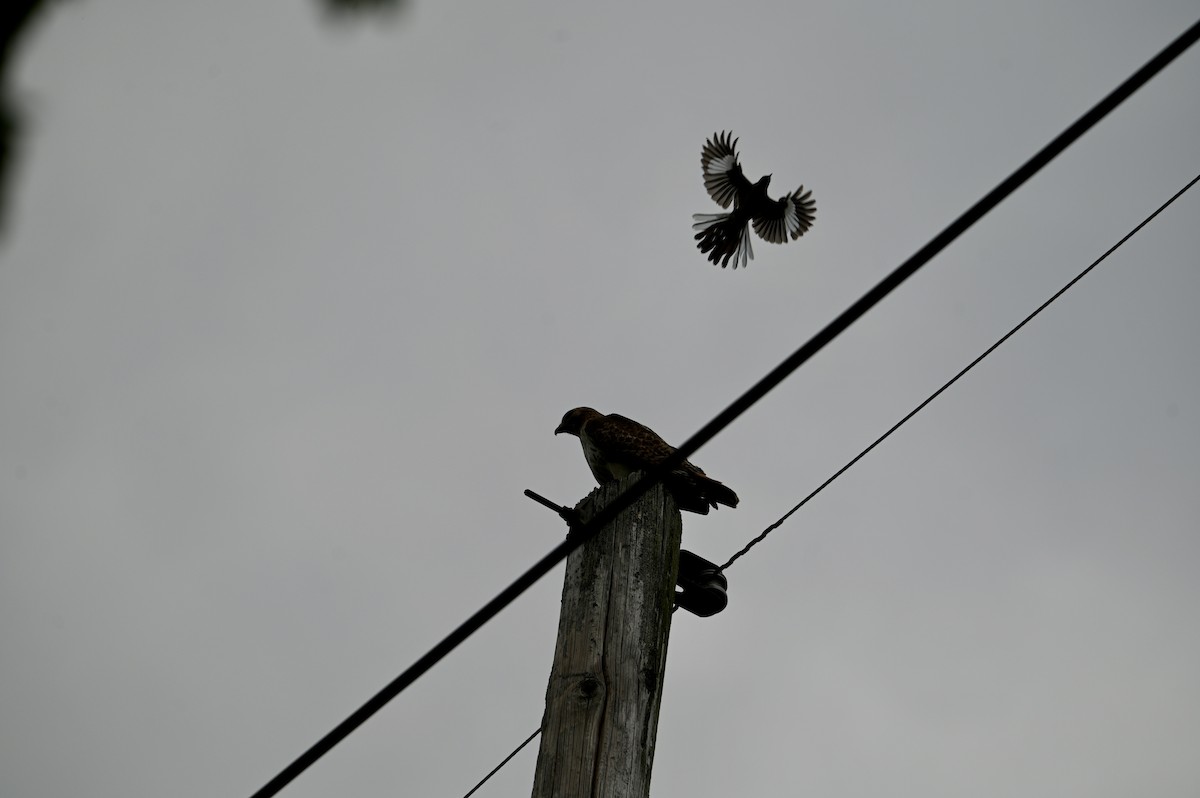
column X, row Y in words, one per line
column 606, row 684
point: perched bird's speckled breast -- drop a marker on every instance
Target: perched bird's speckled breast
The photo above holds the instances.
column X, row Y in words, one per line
column 602, row 469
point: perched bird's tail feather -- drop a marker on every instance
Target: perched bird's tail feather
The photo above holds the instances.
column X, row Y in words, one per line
column 719, row 493
column 696, row 492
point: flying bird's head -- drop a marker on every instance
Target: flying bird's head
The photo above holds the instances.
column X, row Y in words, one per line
column 573, row 421
column 763, row 182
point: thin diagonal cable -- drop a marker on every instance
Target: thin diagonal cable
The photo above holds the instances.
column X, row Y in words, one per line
column 586, row 531
column 956, row 377
column 496, row 769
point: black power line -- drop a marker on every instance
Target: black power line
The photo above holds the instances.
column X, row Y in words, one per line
column 586, row 531
column 902, row 421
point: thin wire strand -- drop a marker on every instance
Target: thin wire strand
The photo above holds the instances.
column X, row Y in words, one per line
column 956, row 377
column 496, row 769
column 586, row 531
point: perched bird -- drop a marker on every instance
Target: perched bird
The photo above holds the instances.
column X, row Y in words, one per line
column 615, row 447
column 726, row 236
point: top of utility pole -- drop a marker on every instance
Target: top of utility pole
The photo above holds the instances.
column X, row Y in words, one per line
column 605, row 686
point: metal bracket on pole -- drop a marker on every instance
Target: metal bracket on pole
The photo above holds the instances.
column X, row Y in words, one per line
column 703, row 589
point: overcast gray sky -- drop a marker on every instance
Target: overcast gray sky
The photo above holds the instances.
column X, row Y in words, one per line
column 289, row 311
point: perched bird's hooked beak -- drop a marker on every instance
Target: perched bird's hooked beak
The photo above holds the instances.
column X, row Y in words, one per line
column 559, row 429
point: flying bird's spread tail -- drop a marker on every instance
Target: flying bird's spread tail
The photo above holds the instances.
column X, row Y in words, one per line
column 615, row 447
column 725, row 237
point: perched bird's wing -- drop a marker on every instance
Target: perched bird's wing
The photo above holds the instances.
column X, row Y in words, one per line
column 790, row 215
column 625, row 442
column 629, row 445
column 722, row 173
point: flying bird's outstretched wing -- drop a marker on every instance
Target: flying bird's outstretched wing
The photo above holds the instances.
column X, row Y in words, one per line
column 722, row 173
column 615, row 446
column 790, row 215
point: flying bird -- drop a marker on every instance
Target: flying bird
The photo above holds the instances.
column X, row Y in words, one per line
column 726, row 236
column 615, row 447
